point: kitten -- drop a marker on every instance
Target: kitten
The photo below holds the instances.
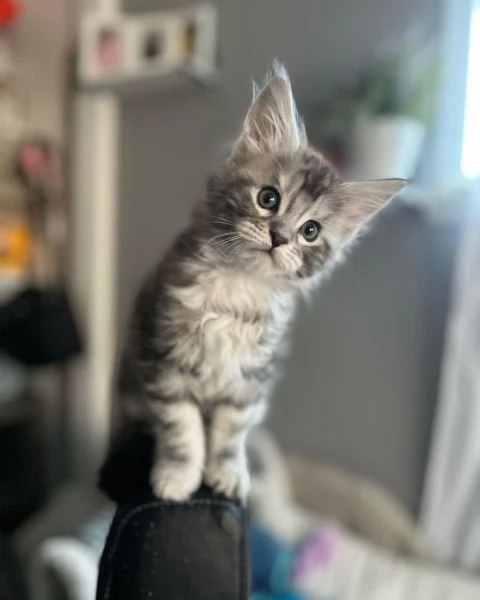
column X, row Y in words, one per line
column 208, row 325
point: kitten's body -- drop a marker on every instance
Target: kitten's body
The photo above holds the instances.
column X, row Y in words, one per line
column 209, row 324
column 203, row 346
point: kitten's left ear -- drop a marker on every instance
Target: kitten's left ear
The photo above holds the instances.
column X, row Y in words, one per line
column 272, row 123
column 362, row 199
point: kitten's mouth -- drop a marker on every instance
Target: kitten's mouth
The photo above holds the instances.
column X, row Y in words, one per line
column 267, row 251
column 269, row 254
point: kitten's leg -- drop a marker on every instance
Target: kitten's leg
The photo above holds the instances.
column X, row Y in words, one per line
column 226, row 468
column 180, row 451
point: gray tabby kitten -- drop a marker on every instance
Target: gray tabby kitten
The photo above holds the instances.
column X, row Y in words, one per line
column 208, row 325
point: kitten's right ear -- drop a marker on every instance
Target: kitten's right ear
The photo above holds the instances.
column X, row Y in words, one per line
column 272, row 123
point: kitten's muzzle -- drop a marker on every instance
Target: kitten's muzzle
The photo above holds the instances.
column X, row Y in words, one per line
column 277, row 239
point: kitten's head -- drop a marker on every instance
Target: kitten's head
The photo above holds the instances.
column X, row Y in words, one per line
column 277, row 206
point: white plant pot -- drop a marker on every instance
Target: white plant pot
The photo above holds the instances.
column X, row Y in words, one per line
column 385, row 147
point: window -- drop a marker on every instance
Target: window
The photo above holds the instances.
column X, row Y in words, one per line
column 471, row 133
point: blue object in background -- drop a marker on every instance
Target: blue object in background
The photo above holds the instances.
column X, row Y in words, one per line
column 271, row 562
column 265, row 552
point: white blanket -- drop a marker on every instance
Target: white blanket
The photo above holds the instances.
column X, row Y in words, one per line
column 358, row 570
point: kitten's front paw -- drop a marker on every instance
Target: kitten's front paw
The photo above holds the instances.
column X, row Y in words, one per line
column 173, row 482
column 230, row 479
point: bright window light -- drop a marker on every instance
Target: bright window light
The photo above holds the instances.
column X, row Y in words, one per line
column 471, row 134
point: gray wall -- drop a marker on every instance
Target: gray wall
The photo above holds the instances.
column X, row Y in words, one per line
column 360, row 383
column 361, row 386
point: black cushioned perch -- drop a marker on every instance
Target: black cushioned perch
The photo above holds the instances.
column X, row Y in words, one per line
column 158, row 550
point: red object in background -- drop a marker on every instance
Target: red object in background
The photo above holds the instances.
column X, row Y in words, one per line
column 9, row 10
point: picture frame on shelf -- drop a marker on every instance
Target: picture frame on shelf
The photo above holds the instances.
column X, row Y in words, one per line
column 106, row 48
column 127, row 50
column 198, row 37
column 185, row 38
column 156, row 45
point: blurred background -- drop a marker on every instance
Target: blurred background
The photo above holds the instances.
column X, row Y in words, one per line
column 111, row 115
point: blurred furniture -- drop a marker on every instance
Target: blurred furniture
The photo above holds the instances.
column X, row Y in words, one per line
column 12, row 582
column 371, row 546
column 21, row 456
column 289, row 493
column 377, row 549
column 35, row 321
column 196, row 550
column 21, row 462
column 61, row 544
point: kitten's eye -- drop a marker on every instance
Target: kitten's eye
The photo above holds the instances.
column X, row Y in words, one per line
column 310, row 230
column 269, row 198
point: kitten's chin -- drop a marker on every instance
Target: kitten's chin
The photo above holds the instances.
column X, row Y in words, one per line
column 268, row 264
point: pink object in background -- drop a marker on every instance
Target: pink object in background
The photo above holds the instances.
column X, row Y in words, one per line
column 33, row 159
column 110, row 49
column 319, row 549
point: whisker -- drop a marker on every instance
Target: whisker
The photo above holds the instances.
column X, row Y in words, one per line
column 219, row 221
column 223, row 237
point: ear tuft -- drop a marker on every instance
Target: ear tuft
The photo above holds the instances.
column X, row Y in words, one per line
column 272, row 123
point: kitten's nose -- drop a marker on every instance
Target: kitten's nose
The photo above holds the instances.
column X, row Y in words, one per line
column 277, row 238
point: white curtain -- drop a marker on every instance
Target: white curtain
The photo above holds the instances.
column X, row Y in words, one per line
column 451, row 507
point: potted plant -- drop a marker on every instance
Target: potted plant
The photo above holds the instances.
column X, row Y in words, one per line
column 395, row 100
column 329, row 126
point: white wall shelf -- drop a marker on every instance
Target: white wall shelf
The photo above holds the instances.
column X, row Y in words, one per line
column 175, row 79
column 162, row 50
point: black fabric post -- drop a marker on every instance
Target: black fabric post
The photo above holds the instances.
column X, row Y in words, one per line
column 158, row 550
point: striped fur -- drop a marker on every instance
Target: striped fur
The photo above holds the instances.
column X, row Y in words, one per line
column 209, row 325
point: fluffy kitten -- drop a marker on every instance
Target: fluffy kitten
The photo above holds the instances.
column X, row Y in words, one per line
column 208, row 325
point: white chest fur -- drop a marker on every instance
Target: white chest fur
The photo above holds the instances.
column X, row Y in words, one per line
column 227, row 324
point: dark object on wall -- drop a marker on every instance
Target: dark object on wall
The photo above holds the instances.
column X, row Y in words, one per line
column 37, row 327
column 191, row 551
